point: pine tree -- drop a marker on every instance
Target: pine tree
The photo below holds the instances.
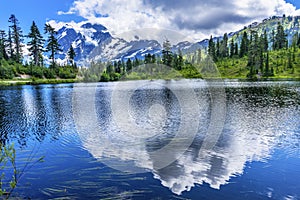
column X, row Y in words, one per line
column 10, row 46
column 180, row 60
column 212, row 49
column 128, row 65
column 244, row 45
column 267, row 66
column 36, row 43
column 280, row 38
column 224, row 47
column 3, row 54
column 166, row 53
column 236, row 49
column 231, row 48
column 17, row 38
column 148, row 58
column 218, row 53
column 295, row 41
column 153, row 58
column 71, row 55
column 52, row 44
column 265, row 41
column 273, row 40
column 290, row 63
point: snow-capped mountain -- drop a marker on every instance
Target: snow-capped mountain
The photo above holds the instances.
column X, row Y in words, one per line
column 93, row 42
column 84, row 39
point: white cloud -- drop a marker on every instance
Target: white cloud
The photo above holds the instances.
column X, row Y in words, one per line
column 195, row 18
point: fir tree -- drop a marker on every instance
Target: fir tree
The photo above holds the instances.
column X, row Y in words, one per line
column 3, row 54
column 17, row 38
column 231, row 48
column 267, row 66
column 52, row 44
column 265, row 41
column 236, row 49
column 166, row 53
column 36, row 43
column 128, row 65
column 218, row 54
column 10, row 46
column 71, row 55
column 280, row 38
column 212, row 49
column 244, row 45
column 224, row 47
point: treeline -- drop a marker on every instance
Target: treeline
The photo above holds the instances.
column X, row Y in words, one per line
column 256, row 49
column 11, row 53
column 167, row 65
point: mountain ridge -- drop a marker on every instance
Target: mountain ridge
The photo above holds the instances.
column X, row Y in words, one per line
column 93, row 42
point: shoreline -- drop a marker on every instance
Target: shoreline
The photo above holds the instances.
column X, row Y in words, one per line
column 61, row 81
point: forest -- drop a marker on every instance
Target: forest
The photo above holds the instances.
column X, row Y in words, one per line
column 11, row 54
column 245, row 55
column 254, row 57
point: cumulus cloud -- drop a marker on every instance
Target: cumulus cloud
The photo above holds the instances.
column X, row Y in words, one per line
column 196, row 18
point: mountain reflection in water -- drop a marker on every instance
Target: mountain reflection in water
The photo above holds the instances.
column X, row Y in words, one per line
column 256, row 121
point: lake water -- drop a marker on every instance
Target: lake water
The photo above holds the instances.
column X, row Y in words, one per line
column 188, row 139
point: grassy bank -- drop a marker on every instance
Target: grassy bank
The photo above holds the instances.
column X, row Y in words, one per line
column 35, row 81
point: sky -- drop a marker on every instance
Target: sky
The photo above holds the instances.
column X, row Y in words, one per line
column 194, row 18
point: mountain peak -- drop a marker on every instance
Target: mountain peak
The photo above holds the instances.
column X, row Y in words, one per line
column 97, row 27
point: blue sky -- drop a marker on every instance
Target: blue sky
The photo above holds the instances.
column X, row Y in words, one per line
column 197, row 17
column 28, row 10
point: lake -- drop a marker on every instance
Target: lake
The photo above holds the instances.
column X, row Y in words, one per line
column 187, row 139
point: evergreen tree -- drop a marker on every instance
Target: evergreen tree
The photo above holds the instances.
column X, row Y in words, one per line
column 166, row 53
column 153, row 58
column 52, row 44
column 265, row 41
column 128, row 65
column 218, row 52
column 224, row 46
column 244, row 45
column 148, row 58
column 212, row 49
column 231, row 48
column 236, row 49
column 3, row 54
column 295, row 41
column 290, row 63
column 36, row 43
column 180, row 60
column 280, row 38
column 255, row 57
column 273, row 40
column 267, row 66
column 10, row 46
column 17, row 38
column 71, row 55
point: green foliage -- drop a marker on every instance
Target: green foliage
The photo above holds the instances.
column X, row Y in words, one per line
column 8, row 157
column 71, row 55
column 8, row 164
column 67, row 72
column 15, row 39
column 52, row 43
column 35, row 44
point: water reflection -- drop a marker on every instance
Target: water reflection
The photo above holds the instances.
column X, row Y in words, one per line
column 34, row 112
column 260, row 118
column 257, row 120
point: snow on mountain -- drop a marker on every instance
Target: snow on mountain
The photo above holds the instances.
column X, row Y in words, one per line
column 93, row 42
column 83, row 39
